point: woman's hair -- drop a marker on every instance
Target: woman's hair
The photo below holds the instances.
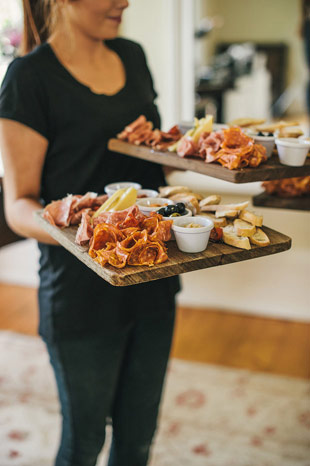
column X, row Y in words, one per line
column 40, row 17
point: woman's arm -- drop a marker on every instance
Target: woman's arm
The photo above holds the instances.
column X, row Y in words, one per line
column 23, row 152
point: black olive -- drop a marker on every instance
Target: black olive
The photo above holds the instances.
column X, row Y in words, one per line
column 170, row 209
column 162, row 211
column 180, row 206
column 270, row 134
column 260, row 133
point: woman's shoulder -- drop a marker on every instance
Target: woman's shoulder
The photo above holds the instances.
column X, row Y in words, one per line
column 29, row 64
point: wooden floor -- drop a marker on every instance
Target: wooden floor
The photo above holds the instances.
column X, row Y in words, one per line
column 204, row 335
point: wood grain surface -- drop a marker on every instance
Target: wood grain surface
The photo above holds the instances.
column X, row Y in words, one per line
column 271, row 170
column 216, row 254
column 295, row 203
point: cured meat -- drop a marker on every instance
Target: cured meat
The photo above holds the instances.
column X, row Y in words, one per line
column 104, row 234
column 59, row 211
column 136, row 240
column 187, row 147
column 84, row 201
column 140, row 132
column 85, row 230
column 115, row 238
column 158, row 229
column 288, row 187
column 148, row 254
column 258, row 155
column 69, row 210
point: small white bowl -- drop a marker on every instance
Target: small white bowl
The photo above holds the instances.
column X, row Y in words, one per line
column 188, row 213
column 111, row 188
column 267, row 141
column 152, row 204
column 192, row 239
column 292, row 151
column 143, row 193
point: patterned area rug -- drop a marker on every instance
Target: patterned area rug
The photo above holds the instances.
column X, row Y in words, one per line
column 210, row 416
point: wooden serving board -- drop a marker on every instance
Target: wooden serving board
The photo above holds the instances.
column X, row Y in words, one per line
column 179, row 262
column 271, row 170
column 269, row 200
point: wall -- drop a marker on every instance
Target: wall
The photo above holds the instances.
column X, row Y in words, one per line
column 261, row 21
column 150, row 23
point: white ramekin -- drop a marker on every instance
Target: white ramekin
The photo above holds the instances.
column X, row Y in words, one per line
column 146, row 204
column 192, row 239
column 292, row 151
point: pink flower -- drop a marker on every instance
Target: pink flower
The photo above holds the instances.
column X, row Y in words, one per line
column 14, row 454
column 17, row 435
column 201, row 450
column 191, row 398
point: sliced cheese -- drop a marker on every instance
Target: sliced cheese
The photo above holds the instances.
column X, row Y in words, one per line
column 109, row 203
column 127, row 199
column 204, row 125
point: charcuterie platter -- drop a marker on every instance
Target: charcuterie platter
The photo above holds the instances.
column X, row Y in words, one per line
column 271, row 170
column 216, row 254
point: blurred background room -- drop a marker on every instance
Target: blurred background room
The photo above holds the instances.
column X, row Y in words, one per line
column 238, row 392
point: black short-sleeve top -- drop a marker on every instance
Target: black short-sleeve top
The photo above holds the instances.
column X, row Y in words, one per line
column 40, row 92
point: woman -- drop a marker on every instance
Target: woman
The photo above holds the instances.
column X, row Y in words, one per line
column 77, row 86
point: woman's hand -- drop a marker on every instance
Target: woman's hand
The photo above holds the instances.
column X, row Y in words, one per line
column 23, row 152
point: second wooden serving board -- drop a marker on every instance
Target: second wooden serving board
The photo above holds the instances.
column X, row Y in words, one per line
column 271, row 170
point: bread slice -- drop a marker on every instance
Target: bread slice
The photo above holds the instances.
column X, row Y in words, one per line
column 216, row 207
column 218, row 222
column 230, row 237
column 260, row 238
column 227, row 213
column 251, row 217
column 214, row 199
column 245, row 122
column 177, row 196
column 167, row 191
column 243, row 228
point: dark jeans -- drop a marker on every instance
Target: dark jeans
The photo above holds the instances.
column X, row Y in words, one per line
column 118, row 374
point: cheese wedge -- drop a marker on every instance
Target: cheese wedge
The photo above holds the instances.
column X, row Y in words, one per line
column 204, row 125
column 127, row 199
column 109, row 203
